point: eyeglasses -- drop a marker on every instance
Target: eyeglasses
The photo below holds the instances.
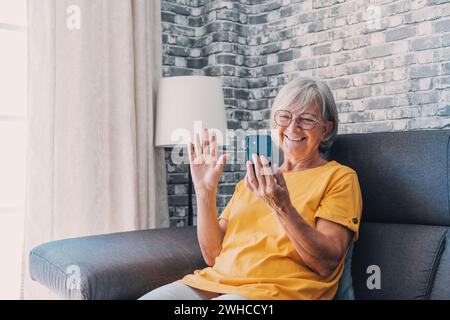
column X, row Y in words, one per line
column 283, row 118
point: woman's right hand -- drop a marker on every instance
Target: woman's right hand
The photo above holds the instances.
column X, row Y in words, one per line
column 205, row 168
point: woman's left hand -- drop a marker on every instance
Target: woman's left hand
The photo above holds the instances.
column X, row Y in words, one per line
column 270, row 187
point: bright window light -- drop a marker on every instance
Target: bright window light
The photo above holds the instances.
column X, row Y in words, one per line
column 13, row 12
column 13, row 112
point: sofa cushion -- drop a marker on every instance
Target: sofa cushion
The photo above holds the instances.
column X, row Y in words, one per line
column 441, row 285
column 404, row 176
column 122, row 265
column 408, row 257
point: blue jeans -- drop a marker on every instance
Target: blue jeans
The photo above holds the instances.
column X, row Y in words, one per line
column 180, row 291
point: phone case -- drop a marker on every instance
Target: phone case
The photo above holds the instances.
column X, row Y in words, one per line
column 259, row 144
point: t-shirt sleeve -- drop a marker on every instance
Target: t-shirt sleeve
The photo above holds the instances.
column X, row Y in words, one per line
column 226, row 212
column 342, row 203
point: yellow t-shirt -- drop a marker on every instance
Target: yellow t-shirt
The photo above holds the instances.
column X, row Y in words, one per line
column 258, row 260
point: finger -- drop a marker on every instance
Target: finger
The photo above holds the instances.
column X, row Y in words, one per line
column 191, row 152
column 205, row 142
column 247, row 183
column 198, row 147
column 280, row 178
column 213, row 146
column 222, row 161
column 258, row 171
column 251, row 176
column 267, row 172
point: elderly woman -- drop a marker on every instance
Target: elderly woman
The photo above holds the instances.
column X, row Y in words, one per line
column 282, row 235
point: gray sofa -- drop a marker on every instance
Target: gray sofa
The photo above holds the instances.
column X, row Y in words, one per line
column 404, row 177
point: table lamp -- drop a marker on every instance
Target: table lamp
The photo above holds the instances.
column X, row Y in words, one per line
column 185, row 105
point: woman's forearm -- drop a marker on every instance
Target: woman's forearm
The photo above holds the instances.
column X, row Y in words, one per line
column 315, row 249
column 208, row 230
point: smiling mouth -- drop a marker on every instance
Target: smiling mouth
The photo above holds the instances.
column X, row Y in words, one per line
column 295, row 140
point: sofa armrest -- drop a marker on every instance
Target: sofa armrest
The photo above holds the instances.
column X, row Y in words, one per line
column 122, row 265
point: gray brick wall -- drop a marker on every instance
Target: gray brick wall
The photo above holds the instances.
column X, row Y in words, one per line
column 387, row 62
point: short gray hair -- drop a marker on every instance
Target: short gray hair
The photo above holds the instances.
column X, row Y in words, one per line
column 299, row 94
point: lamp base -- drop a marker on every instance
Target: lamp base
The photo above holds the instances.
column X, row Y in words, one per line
column 190, row 221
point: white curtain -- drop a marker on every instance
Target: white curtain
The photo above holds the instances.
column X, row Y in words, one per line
column 91, row 164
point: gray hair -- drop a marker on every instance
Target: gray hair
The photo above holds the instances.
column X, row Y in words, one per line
column 299, row 94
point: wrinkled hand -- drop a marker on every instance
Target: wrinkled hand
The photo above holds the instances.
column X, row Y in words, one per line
column 271, row 188
column 205, row 168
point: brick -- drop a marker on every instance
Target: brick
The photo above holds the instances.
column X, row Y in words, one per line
column 270, row 48
column 426, row 43
column 316, row 26
column 380, row 103
column 226, row 59
column 446, row 40
column 423, row 14
column 442, row 26
column 305, row 64
column 240, row 115
column 444, row 111
column 443, row 82
column 400, row 33
column 446, row 68
column 397, row 87
column 316, row 4
column 286, row 12
column 423, row 71
column 359, row 117
column 441, row 55
column 421, row 97
column 167, row 17
column 398, row 7
column 428, row 110
column 273, row 70
column 358, row 93
column 424, row 28
column 197, row 63
column 341, row 57
column 322, row 49
column 285, row 56
column 178, row 200
column 377, row 77
column 395, row 21
column 399, row 60
column 378, row 51
column 358, row 67
column 375, row 26
column 323, row 62
column 354, row 43
column 175, row 8
column 403, row 112
column 168, row 71
column 339, row 83
column 436, row 2
column 258, row 19
column 178, row 51
column 271, row 6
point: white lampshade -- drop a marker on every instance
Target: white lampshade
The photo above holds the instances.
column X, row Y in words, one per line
column 187, row 100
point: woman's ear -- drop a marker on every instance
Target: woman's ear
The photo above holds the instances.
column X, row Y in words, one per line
column 327, row 128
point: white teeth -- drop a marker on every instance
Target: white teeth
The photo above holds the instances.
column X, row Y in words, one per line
column 296, row 140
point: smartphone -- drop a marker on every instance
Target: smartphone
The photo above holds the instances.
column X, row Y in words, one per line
column 259, row 144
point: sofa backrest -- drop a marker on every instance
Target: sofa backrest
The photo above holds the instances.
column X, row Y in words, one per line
column 404, row 235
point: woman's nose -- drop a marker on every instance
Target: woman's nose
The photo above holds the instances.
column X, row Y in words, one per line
column 293, row 126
